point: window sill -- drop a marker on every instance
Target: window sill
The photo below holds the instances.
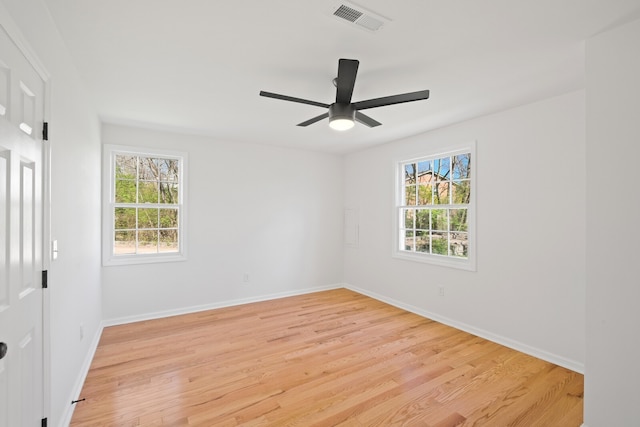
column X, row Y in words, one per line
column 114, row 260
column 442, row 261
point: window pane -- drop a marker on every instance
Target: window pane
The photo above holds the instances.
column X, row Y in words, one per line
column 441, row 193
column 169, row 192
column 458, row 218
column 125, row 191
column 147, row 218
column 461, row 165
column 143, row 206
column 409, row 216
column 147, row 192
column 441, row 168
column 459, row 244
column 168, row 170
column 425, row 196
column 148, row 169
column 422, row 219
column 461, row 192
column 425, row 171
column 409, row 241
column 168, row 241
column 125, row 242
column 434, row 203
column 147, row 241
column 439, row 243
column 168, row 218
column 126, row 167
column 410, row 195
column 422, row 241
column 410, row 173
column 439, row 220
column 125, row 218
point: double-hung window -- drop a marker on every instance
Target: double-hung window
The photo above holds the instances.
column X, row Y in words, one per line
column 144, row 205
column 435, row 208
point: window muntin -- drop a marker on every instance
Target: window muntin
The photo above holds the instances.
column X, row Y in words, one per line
column 145, row 206
column 434, row 209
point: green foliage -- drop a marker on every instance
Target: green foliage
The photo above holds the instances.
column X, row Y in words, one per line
column 439, row 246
column 428, row 183
column 458, row 218
column 142, row 181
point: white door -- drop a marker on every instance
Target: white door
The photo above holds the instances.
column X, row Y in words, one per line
column 21, row 232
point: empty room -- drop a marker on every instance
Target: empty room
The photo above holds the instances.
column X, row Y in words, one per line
column 319, row 213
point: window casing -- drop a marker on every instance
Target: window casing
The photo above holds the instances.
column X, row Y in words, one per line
column 434, row 214
column 144, row 205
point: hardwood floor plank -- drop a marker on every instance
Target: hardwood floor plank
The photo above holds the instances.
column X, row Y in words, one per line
column 329, row 358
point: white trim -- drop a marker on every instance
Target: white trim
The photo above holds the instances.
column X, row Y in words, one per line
column 65, row 420
column 470, row 262
column 213, row 306
column 507, row 342
column 108, row 259
column 46, row 265
column 15, row 34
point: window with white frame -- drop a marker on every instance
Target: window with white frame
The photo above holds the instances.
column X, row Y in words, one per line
column 144, row 205
column 435, row 209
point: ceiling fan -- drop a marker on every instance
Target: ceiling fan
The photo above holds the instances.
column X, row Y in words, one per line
column 343, row 113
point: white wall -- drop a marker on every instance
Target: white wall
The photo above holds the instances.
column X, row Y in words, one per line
column 613, row 211
column 75, row 211
column 274, row 213
column 529, row 287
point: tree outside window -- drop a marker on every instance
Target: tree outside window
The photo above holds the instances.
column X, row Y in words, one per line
column 145, row 204
column 434, row 203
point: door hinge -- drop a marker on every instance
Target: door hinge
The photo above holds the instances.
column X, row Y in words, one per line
column 45, row 131
column 45, row 279
column 43, row 423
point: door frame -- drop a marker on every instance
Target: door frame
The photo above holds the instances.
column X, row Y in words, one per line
column 14, row 33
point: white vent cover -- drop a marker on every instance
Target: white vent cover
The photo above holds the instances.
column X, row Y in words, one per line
column 356, row 15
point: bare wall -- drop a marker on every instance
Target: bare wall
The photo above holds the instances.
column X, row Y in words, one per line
column 273, row 213
column 613, row 209
column 529, row 287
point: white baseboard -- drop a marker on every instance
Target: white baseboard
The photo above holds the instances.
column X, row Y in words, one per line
column 82, row 376
column 212, row 306
column 507, row 342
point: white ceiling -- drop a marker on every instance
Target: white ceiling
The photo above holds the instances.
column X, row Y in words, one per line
column 197, row 66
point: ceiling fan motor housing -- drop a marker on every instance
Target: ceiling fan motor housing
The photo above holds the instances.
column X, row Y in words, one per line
column 342, row 111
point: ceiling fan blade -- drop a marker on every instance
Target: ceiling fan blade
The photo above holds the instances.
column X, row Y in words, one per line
column 366, row 120
column 292, row 99
column 390, row 100
column 315, row 119
column 346, row 80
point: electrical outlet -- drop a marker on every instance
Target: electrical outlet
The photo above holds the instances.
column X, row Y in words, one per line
column 81, row 331
column 441, row 290
column 245, row 277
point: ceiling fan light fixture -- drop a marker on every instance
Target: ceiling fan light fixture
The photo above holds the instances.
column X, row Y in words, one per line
column 341, row 124
column 341, row 117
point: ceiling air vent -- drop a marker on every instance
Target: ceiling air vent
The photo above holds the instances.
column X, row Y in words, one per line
column 359, row 16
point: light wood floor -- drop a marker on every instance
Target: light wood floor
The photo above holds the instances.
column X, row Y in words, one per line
column 334, row 358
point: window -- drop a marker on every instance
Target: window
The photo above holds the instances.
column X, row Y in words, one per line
column 144, row 205
column 434, row 213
